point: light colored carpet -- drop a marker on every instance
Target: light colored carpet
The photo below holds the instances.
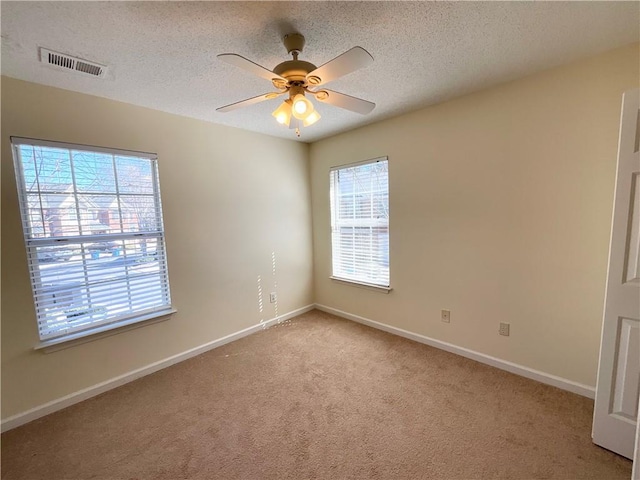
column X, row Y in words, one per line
column 318, row 397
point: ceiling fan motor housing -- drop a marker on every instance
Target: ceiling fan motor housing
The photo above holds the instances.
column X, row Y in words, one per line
column 294, row 70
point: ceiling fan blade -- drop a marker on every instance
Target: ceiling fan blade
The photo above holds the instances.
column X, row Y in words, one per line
column 249, row 101
column 249, row 66
column 347, row 102
column 348, row 62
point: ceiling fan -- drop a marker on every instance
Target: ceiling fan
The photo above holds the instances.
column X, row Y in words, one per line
column 298, row 78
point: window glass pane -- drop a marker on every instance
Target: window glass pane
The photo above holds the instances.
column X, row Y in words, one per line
column 347, row 203
column 94, row 172
column 363, row 205
column 139, row 213
column 46, row 169
column 346, row 179
column 381, row 205
column 99, row 214
column 33, row 216
column 135, row 175
column 59, row 214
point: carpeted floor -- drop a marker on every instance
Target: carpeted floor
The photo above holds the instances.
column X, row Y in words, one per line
column 318, row 397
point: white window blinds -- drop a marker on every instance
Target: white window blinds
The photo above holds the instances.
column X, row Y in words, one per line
column 94, row 235
column 360, row 222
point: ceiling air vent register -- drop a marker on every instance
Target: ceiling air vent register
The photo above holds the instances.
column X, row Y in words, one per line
column 63, row 61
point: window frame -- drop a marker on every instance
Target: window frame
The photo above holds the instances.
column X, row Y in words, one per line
column 334, row 208
column 32, row 242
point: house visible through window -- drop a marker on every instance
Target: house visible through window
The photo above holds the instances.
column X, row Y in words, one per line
column 94, row 236
column 360, row 222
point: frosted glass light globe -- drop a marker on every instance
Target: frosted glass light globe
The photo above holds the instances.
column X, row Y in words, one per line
column 300, row 106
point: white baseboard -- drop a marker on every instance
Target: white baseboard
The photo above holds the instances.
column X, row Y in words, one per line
column 76, row 397
column 563, row 383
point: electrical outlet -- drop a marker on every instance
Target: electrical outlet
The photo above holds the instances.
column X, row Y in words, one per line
column 504, row 329
column 272, row 297
column 445, row 316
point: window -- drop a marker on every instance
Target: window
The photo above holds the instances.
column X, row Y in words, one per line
column 94, row 236
column 360, row 222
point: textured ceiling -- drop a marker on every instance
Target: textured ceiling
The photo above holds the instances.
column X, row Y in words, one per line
column 162, row 55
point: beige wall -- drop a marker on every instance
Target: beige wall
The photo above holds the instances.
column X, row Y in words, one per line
column 500, row 206
column 231, row 199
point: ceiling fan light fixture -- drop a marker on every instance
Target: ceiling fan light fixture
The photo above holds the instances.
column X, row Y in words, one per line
column 282, row 114
column 312, row 118
column 302, row 107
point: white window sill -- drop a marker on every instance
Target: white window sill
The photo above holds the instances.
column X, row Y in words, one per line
column 369, row 286
column 73, row 339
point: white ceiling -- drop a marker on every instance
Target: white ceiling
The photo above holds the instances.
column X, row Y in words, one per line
column 162, row 55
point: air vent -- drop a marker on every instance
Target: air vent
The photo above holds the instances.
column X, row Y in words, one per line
column 67, row 62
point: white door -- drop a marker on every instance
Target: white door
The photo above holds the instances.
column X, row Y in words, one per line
column 616, row 408
column 635, row 473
